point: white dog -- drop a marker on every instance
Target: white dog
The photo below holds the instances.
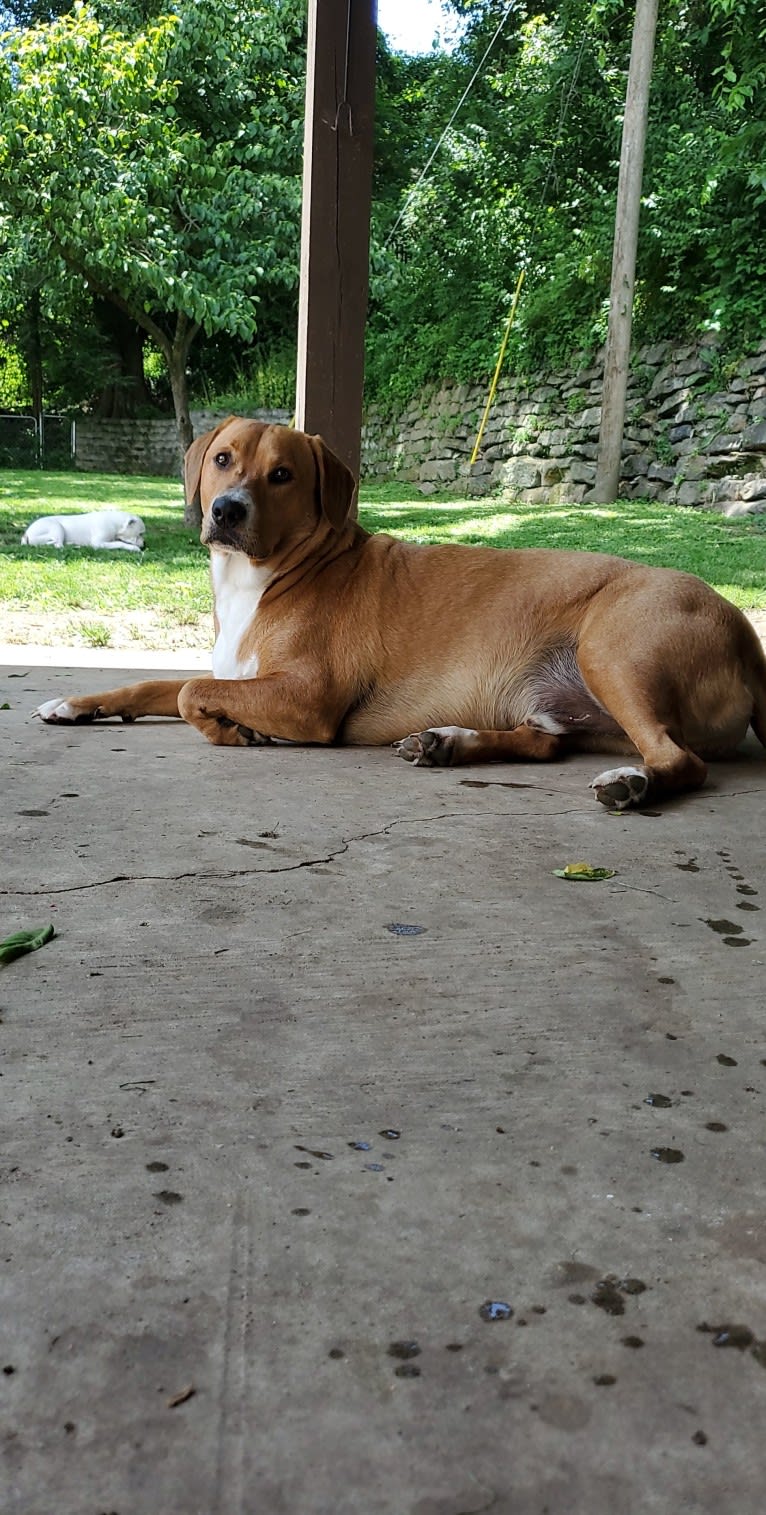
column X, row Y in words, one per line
column 101, row 528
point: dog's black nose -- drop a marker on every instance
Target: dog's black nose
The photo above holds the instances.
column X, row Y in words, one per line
column 228, row 510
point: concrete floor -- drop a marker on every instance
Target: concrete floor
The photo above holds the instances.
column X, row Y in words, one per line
column 267, row 1156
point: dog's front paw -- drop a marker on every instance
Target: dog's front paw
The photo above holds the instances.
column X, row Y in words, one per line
column 223, row 732
column 620, row 788
column 253, row 738
column 65, row 712
column 436, row 748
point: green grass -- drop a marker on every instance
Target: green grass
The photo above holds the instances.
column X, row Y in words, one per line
column 95, row 633
column 729, row 554
column 171, row 577
column 171, row 580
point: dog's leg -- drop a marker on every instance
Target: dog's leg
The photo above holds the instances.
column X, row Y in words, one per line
column 54, row 538
column 667, row 766
column 154, row 697
column 250, row 712
column 682, row 673
column 114, row 546
column 446, row 746
column 666, row 769
column 229, row 712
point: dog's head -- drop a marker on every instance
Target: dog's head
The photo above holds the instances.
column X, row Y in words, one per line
column 265, row 489
column 132, row 530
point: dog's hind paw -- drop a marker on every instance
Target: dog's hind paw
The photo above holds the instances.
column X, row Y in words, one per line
column 619, row 788
column 436, row 748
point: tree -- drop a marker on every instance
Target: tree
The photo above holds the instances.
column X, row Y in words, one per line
column 526, row 178
column 161, row 167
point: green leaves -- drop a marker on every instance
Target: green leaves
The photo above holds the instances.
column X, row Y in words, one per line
column 143, row 155
column 24, row 941
column 527, row 177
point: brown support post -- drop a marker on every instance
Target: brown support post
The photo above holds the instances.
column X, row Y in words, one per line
column 335, row 233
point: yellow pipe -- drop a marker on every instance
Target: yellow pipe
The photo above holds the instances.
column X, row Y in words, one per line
column 498, row 366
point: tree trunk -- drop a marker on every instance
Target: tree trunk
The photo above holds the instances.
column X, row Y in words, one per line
column 176, row 356
column 126, row 392
column 175, row 350
column 33, row 352
column 617, row 354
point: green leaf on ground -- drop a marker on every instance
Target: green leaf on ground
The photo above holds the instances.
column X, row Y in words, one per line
column 583, row 872
column 24, row 941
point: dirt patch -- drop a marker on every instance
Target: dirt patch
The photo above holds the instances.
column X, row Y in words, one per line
column 133, row 630
column 758, row 618
column 139, row 630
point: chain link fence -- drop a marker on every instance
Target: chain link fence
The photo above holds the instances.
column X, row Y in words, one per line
column 45, row 441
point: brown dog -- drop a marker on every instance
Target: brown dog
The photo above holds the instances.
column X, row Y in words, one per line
column 327, row 634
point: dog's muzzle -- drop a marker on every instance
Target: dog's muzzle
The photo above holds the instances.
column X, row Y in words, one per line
column 228, row 514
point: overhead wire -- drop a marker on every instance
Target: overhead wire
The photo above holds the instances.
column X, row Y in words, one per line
column 460, row 103
column 563, row 113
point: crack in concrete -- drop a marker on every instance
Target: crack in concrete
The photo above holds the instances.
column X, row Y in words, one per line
column 228, row 873
column 636, row 889
column 312, row 862
column 731, row 794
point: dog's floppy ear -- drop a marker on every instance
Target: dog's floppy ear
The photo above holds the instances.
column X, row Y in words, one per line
column 336, row 483
column 194, row 458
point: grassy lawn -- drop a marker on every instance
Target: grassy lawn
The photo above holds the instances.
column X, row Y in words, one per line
column 81, row 597
column 162, row 598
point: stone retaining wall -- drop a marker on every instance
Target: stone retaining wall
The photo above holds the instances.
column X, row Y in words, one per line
column 695, row 433
column 145, row 446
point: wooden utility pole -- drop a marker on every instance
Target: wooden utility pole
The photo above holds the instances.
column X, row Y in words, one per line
column 617, row 355
column 335, row 233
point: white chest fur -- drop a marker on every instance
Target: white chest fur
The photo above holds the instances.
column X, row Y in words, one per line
column 238, row 585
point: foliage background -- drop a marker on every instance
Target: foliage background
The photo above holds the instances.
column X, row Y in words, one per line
column 525, row 178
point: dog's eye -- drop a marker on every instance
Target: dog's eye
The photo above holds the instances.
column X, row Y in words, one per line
column 222, row 459
column 280, row 476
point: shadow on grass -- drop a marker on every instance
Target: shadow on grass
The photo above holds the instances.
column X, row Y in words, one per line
column 49, row 493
